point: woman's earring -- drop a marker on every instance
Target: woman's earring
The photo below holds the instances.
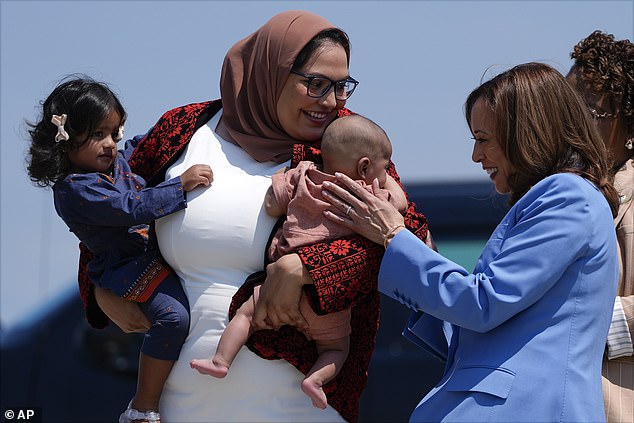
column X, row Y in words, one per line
column 629, row 144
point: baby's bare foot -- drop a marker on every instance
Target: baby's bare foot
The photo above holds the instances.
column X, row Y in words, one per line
column 208, row 367
column 315, row 393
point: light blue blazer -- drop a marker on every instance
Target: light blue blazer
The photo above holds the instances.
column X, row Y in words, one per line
column 523, row 335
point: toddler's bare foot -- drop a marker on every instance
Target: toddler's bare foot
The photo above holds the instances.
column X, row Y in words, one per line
column 315, row 393
column 207, row 366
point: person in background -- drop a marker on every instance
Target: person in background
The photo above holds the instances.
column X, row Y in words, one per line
column 74, row 149
column 603, row 72
column 280, row 87
column 359, row 148
column 520, row 332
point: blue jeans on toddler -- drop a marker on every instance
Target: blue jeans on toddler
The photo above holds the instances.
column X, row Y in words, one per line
column 167, row 309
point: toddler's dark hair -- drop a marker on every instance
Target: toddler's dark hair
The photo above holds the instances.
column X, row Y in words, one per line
column 86, row 103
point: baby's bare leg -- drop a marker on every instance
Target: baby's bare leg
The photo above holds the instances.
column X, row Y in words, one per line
column 233, row 338
column 332, row 355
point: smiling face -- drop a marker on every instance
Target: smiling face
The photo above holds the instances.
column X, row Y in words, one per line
column 305, row 118
column 99, row 150
column 487, row 149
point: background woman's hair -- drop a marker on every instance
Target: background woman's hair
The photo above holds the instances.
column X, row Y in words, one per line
column 544, row 127
column 608, row 66
column 86, row 103
column 332, row 35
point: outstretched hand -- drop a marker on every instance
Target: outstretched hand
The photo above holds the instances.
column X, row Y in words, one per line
column 197, row 175
column 361, row 211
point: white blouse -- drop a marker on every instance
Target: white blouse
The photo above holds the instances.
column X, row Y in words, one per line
column 213, row 245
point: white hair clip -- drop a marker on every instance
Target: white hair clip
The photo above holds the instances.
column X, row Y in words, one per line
column 59, row 121
column 120, row 133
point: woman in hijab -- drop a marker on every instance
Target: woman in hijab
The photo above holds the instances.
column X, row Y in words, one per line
column 280, row 87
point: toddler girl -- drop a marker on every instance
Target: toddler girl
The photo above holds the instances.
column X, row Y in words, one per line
column 74, row 150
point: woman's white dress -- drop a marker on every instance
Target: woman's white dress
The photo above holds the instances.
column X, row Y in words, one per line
column 213, row 245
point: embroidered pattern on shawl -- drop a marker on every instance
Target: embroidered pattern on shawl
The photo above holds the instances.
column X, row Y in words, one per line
column 339, row 268
column 354, row 260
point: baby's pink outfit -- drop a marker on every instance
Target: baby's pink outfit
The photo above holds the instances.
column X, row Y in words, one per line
column 299, row 191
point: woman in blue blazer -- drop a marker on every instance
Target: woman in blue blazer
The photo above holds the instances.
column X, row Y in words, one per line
column 523, row 334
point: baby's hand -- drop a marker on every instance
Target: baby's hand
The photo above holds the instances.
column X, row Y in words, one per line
column 197, row 175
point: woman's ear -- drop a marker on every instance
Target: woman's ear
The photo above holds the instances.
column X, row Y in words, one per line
column 363, row 165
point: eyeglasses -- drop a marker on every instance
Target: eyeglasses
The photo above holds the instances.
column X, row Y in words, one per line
column 601, row 115
column 319, row 86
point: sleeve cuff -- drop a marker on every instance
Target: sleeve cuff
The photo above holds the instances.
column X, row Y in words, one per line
column 619, row 343
column 177, row 199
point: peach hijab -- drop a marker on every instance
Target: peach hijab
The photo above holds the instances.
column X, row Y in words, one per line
column 253, row 75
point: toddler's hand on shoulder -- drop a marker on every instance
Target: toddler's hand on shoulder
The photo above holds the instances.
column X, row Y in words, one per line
column 197, row 175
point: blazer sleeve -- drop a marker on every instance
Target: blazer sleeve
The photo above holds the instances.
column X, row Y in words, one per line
column 548, row 232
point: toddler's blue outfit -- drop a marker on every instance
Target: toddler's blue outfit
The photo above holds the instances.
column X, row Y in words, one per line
column 109, row 213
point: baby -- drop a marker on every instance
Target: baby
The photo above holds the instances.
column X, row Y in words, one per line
column 359, row 148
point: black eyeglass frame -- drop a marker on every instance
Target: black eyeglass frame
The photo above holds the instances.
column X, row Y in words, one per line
column 331, row 83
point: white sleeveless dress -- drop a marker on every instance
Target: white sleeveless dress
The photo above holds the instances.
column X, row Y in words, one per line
column 213, row 245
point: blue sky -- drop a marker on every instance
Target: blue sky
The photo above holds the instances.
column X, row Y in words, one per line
column 416, row 60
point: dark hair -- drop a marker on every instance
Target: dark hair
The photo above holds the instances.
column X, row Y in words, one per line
column 333, row 35
column 86, row 103
column 608, row 66
column 544, row 127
